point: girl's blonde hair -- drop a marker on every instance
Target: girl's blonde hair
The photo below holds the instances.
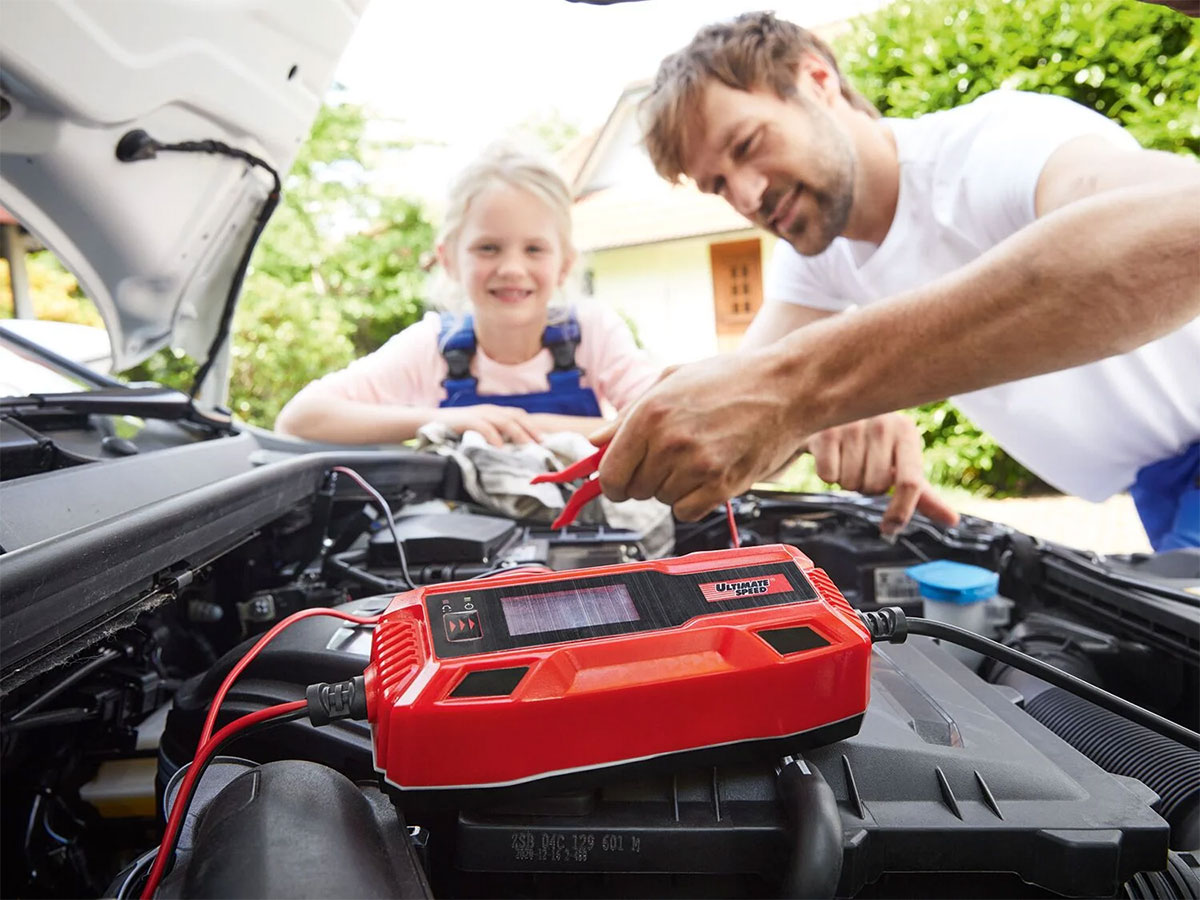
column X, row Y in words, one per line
column 502, row 163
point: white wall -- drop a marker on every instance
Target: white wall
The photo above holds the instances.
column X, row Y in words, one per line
column 666, row 289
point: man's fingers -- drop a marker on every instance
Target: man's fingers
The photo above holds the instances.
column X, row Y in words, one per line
column 910, row 481
column 851, row 459
column 698, row 504
column 877, row 467
column 931, row 504
column 826, row 453
column 878, row 470
column 645, row 481
column 666, row 373
column 677, row 485
column 625, row 453
column 605, row 433
column 899, row 509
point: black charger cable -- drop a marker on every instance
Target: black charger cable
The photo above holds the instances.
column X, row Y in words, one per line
column 383, row 507
column 138, row 145
column 891, row 625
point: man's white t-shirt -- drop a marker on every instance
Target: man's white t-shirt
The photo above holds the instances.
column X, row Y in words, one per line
column 967, row 182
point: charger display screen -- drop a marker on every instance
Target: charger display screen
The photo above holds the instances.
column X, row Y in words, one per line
column 581, row 607
column 481, row 618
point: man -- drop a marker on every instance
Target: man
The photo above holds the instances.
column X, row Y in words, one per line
column 1018, row 235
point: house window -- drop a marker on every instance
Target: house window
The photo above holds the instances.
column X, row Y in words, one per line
column 737, row 288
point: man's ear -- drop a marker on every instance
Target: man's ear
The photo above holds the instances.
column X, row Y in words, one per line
column 817, row 77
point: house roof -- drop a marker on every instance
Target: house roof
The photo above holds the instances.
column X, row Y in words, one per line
column 601, row 143
column 637, row 208
column 574, row 156
column 626, row 216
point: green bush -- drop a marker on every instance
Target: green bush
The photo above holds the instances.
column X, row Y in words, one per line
column 54, row 291
column 959, row 453
column 1134, row 62
column 284, row 337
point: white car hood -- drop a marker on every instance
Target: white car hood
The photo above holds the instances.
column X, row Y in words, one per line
column 155, row 242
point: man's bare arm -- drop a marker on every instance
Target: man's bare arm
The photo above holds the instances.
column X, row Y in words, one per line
column 778, row 318
column 1113, row 263
column 875, row 455
column 1088, row 166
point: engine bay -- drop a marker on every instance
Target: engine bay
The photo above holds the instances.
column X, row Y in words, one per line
column 120, row 625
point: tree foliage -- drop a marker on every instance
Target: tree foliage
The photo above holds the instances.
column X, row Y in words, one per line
column 336, row 273
column 549, row 129
column 1134, row 62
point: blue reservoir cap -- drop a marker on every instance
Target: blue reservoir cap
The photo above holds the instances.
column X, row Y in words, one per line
column 954, row 582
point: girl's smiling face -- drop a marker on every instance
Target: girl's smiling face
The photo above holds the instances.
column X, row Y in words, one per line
column 509, row 257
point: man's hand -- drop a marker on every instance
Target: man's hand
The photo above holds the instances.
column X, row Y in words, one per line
column 704, row 433
column 873, row 455
column 498, row 424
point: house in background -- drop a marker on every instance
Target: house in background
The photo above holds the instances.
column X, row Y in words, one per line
column 681, row 265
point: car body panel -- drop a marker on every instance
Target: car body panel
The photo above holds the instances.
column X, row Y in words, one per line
column 156, row 242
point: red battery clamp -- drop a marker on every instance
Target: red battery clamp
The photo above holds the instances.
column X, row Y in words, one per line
column 511, row 680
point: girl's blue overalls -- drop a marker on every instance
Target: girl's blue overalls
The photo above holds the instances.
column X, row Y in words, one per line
column 565, row 397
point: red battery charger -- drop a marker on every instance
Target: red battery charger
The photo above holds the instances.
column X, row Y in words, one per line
column 520, row 679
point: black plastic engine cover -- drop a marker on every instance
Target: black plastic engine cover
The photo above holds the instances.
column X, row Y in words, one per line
column 946, row 774
column 296, row 829
column 440, row 538
column 312, row 650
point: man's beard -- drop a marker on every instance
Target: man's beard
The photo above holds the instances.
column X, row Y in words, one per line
column 812, row 232
column 832, row 202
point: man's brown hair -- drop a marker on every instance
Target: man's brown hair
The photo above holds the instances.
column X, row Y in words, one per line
column 755, row 50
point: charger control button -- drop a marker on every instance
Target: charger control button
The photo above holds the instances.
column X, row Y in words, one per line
column 462, row 626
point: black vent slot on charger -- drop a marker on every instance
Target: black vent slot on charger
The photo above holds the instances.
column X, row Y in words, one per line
column 490, row 683
column 793, row 640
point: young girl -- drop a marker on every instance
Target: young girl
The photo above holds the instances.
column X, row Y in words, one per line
column 521, row 363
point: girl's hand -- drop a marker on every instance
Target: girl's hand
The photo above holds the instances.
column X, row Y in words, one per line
column 498, row 424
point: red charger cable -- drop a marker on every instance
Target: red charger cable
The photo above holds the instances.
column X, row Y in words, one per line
column 166, row 847
column 211, row 720
column 208, row 743
column 735, row 540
